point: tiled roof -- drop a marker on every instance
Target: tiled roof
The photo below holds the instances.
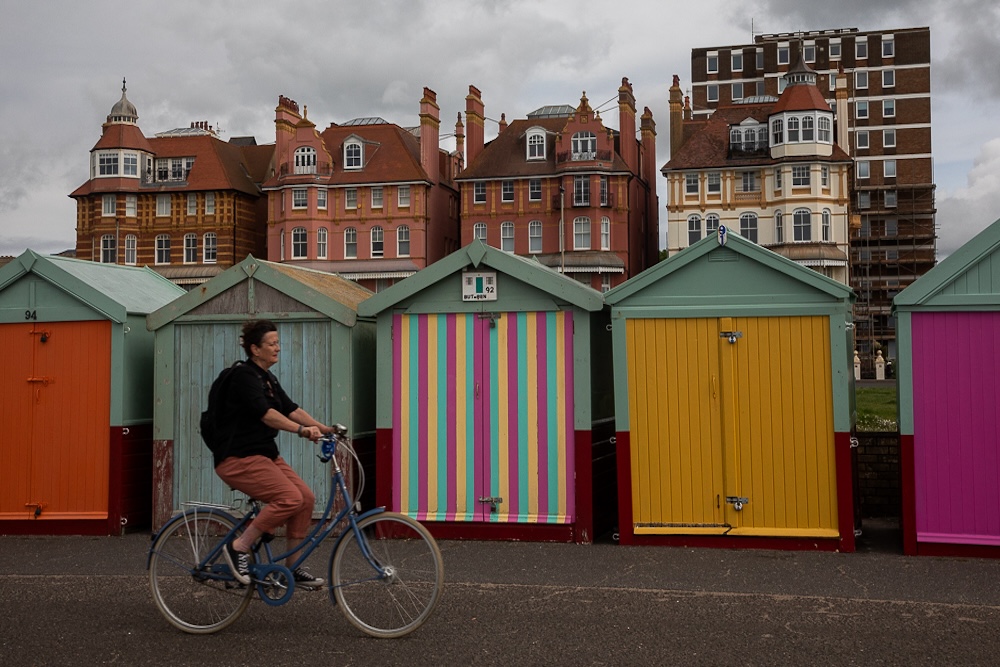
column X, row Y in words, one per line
column 801, row 98
column 217, row 166
column 505, row 156
column 122, row 135
column 391, row 154
column 707, row 145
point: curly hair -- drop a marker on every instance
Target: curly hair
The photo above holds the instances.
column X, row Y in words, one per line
column 253, row 333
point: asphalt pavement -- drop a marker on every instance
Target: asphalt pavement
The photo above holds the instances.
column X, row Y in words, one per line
column 85, row 601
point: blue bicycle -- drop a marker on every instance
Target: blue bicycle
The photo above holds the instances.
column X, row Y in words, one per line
column 385, row 571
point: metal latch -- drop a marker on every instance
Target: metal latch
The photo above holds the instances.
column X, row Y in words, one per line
column 731, row 336
column 737, row 502
column 854, row 443
column 493, row 501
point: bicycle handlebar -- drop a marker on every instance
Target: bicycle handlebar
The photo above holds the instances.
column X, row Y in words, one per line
column 328, row 443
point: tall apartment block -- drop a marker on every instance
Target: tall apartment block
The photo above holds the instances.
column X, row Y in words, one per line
column 889, row 105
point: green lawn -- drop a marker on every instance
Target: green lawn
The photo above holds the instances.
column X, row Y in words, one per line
column 876, row 408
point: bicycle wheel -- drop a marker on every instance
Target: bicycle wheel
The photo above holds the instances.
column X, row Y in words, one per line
column 400, row 600
column 195, row 597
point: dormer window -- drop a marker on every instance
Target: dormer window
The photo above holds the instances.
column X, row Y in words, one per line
column 584, row 146
column 536, row 144
column 305, row 160
column 352, row 155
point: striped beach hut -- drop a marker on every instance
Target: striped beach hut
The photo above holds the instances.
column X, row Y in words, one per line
column 489, row 397
column 948, row 364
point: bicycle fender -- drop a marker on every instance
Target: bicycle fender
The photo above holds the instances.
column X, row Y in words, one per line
column 172, row 520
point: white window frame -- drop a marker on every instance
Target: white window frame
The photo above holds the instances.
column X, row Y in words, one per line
column 322, row 242
column 712, row 62
column 694, row 228
column 737, row 90
column 321, row 198
column 736, row 61
column 860, row 109
column 209, row 248
column 801, row 176
column 300, row 243
column 889, row 168
column 861, row 139
column 507, row 191
column 377, row 196
column 131, row 247
column 605, row 233
column 107, row 164
column 777, row 178
column 131, row 206
column 403, row 196
column 889, row 108
column 581, row 233
column 824, row 132
column 827, row 219
column 350, row 199
column 209, row 203
column 300, row 199
column 535, row 236
column 190, row 248
column 824, row 176
column 891, row 199
column 777, row 132
column 779, row 230
column 711, row 224
column 861, row 80
column 802, row 225
column 783, row 54
column 833, row 49
column 889, row 138
column 350, row 243
column 535, row 189
column 809, row 52
column 354, row 155
column 479, row 192
column 888, row 78
column 162, row 206
column 162, row 245
column 861, row 48
column 536, row 145
column 691, row 183
column 712, row 92
column 605, row 191
column 378, row 241
column 862, row 170
column 130, row 164
column 109, row 204
column 581, row 191
column 888, row 46
column 584, row 146
column 192, row 204
column 507, row 236
column 305, row 160
column 864, row 200
column 713, row 183
column 403, row 241
column 479, row 231
column 109, row 250
column 748, row 230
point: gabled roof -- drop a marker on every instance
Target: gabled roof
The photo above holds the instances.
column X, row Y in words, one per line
column 477, row 255
column 968, row 277
column 112, row 289
column 728, row 274
column 391, row 154
column 324, row 292
column 506, row 155
column 218, row 165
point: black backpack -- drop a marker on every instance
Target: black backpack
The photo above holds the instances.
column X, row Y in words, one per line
column 215, row 434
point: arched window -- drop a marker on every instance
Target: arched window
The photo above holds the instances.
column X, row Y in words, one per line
column 403, row 241
column 163, row 249
column 711, row 224
column 779, row 230
column 826, row 224
column 762, row 137
column 581, row 233
column 300, row 243
column 777, row 132
column 536, row 145
column 802, row 224
column 352, row 155
column 305, row 160
column 694, row 229
column 535, row 236
column 479, row 231
column 350, row 243
column 748, row 226
column 824, row 130
column 507, row 236
column 109, row 249
column 190, row 248
column 132, row 242
column 735, row 138
column 807, row 128
column 378, row 242
column 584, row 146
column 321, row 237
column 793, row 130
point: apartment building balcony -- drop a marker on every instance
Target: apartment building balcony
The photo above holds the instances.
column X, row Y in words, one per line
column 583, row 156
column 289, row 171
column 748, row 196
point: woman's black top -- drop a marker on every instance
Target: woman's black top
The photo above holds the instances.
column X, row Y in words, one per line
column 251, row 393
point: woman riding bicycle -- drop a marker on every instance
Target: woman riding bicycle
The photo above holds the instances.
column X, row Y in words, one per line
column 258, row 408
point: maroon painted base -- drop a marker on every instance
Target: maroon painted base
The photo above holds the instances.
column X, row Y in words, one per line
column 957, row 550
column 503, row 532
column 57, row 527
column 724, row 542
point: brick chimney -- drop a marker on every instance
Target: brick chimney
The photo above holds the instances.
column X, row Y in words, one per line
column 676, row 115
column 843, row 115
column 626, row 126
column 430, row 135
column 460, row 143
column 475, row 116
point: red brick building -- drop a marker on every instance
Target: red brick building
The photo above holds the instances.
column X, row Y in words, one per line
column 560, row 186
column 367, row 199
column 183, row 202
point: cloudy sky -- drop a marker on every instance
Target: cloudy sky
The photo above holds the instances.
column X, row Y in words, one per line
column 227, row 61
